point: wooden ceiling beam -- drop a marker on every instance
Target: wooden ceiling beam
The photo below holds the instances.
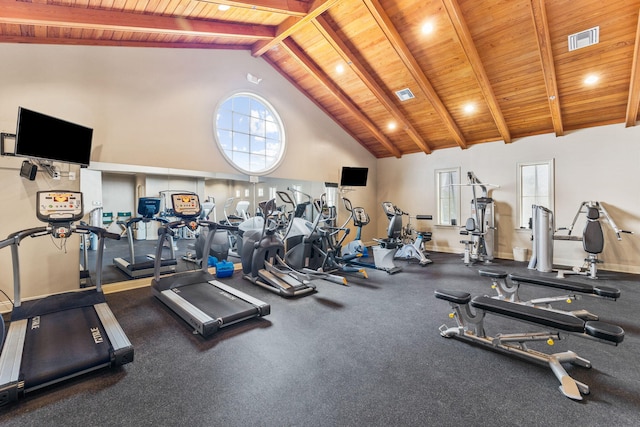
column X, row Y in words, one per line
column 123, row 43
column 412, row 65
column 315, row 101
column 18, row 12
column 633, row 101
column 303, row 60
column 283, row 7
column 291, row 25
column 464, row 36
column 361, row 71
column 541, row 25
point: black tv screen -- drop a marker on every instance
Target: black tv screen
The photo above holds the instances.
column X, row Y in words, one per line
column 48, row 138
column 353, row 177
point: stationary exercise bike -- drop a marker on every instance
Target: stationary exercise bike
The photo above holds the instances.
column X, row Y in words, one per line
column 412, row 248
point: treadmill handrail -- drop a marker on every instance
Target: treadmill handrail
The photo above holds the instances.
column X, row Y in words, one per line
column 167, row 230
column 15, row 238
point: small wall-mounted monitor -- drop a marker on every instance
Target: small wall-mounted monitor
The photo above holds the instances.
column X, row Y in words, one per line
column 43, row 137
column 353, row 177
column 148, row 207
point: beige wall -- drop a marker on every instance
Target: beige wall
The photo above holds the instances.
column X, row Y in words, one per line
column 598, row 164
column 148, row 107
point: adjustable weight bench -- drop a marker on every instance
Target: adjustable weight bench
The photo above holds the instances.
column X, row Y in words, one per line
column 469, row 314
column 509, row 290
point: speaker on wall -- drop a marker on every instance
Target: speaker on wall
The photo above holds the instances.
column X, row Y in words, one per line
column 28, row 170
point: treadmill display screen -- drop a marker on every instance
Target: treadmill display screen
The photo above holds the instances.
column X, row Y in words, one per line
column 186, row 205
column 59, row 206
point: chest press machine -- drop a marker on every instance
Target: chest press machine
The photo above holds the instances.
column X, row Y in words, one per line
column 470, row 314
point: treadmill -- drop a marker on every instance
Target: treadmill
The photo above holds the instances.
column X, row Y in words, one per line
column 143, row 265
column 196, row 296
column 61, row 336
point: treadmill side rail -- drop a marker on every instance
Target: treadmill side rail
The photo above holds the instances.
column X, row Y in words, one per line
column 10, row 361
column 202, row 322
column 122, row 348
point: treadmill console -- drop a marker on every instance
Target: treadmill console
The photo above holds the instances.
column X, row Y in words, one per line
column 186, row 205
column 59, row 206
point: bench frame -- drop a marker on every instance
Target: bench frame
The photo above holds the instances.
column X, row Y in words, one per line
column 470, row 327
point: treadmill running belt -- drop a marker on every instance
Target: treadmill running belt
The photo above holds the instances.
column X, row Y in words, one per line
column 62, row 344
column 216, row 303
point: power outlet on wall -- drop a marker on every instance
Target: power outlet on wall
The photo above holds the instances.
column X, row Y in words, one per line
column 56, row 175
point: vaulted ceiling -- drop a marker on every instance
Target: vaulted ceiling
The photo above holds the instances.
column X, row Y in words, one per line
column 477, row 70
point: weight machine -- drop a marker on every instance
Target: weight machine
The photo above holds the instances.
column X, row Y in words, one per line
column 480, row 226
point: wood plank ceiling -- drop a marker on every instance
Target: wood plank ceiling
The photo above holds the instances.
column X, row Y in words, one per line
column 479, row 70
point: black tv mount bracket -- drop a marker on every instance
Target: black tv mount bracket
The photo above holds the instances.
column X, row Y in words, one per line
column 4, row 150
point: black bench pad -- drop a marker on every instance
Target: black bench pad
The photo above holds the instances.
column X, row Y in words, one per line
column 605, row 331
column 564, row 322
column 567, row 285
column 494, row 274
column 457, row 297
column 555, row 320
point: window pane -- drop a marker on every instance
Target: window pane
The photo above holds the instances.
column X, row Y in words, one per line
column 240, row 123
column 225, row 138
column 536, row 188
column 242, row 105
column 448, row 192
column 258, row 145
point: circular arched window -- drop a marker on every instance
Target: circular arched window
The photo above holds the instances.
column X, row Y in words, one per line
column 249, row 133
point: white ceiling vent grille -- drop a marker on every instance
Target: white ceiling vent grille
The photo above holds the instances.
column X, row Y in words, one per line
column 405, row 94
column 584, row 38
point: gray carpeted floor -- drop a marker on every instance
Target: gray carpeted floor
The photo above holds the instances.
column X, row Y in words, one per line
column 366, row 354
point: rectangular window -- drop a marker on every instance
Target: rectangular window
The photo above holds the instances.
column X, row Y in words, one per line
column 448, row 194
column 535, row 182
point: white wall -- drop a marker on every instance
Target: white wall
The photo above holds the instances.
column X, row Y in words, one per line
column 150, row 107
column 598, row 164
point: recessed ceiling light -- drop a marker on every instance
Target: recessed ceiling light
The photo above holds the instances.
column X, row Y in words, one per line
column 427, row 28
column 591, row 79
column 340, row 68
column 392, row 125
column 469, row 108
column 223, row 7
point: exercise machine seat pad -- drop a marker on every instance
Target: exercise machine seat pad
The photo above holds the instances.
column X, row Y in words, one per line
column 592, row 237
column 456, row 297
column 553, row 283
column 605, row 331
column 494, row 274
column 553, row 319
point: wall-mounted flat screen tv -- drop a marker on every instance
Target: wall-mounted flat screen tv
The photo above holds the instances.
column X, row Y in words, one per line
column 353, row 177
column 43, row 137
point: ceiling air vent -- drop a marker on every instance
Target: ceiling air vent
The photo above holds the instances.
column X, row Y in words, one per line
column 584, row 38
column 405, row 94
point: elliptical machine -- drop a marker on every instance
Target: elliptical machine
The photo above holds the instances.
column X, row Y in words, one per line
column 385, row 250
column 263, row 255
column 360, row 219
